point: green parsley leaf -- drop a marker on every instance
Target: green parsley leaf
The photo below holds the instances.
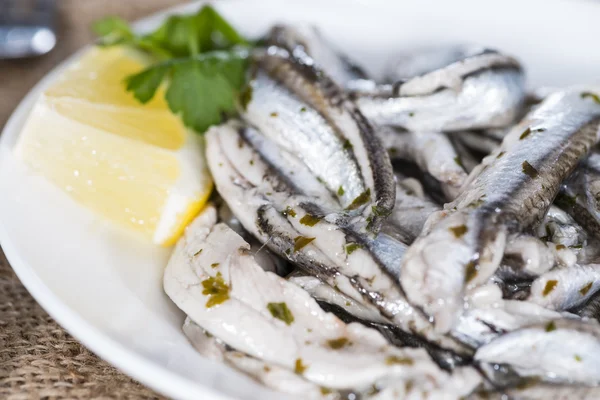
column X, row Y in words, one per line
column 112, row 30
column 203, row 92
column 145, row 84
column 199, row 58
column 281, row 312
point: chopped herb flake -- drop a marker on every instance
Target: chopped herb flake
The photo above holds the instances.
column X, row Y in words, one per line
column 458, row 161
column 591, row 95
column 299, row 368
column 577, row 358
column 338, row 343
column 529, row 170
column 340, row 191
column 303, row 109
column 325, row 391
column 411, row 114
column 251, row 162
column 198, row 252
column 500, row 154
column 584, row 290
column 274, row 114
column 281, row 311
column 310, row 220
column 525, row 134
column 458, row 231
column 289, row 211
column 395, row 360
column 347, row 145
column 216, row 289
column 551, row 326
column 246, row 96
column 352, row 247
column 471, row 271
column 214, row 265
column 550, row 285
column 360, row 200
column 301, row 241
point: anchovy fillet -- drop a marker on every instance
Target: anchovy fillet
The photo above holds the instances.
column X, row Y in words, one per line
column 269, row 374
column 305, row 114
column 213, row 278
column 306, row 43
column 566, row 288
column 431, row 151
column 565, row 351
column 483, row 89
column 510, row 191
column 364, row 269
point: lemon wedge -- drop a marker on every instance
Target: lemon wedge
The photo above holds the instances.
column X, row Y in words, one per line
column 135, row 164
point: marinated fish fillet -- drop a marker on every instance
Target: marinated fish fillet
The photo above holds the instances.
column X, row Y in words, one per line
column 510, row 191
column 305, row 114
column 364, row 269
column 214, row 279
column 469, row 88
column 566, row 288
column 269, row 374
column 306, row 43
column 431, row 151
column 563, row 351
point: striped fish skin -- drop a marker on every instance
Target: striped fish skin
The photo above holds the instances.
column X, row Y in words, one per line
column 366, row 269
column 468, row 88
column 507, row 193
column 306, row 114
column 307, row 43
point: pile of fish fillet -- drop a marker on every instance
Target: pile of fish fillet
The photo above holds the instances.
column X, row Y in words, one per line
column 429, row 235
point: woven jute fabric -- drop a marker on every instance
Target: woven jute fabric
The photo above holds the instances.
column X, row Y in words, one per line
column 38, row 359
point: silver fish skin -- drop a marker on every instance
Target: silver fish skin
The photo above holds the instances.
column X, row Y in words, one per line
column 566, row 288
column 562, row 351
column 431, row 151
column 509, row 192
column 483, row 89
column 273, row 212
column 307, row 43
column 307, row 115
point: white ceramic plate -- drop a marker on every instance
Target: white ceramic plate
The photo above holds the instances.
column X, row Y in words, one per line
column 104, row 286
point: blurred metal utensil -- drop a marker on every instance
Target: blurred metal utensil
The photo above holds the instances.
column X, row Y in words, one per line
column 26, row 28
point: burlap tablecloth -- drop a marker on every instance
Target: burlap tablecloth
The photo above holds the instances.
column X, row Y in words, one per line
column 38, row 359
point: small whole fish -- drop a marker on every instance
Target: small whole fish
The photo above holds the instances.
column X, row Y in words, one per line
column 468, row 88
column 508, row 192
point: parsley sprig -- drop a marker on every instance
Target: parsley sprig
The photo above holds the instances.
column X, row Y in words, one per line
column 200, row 58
